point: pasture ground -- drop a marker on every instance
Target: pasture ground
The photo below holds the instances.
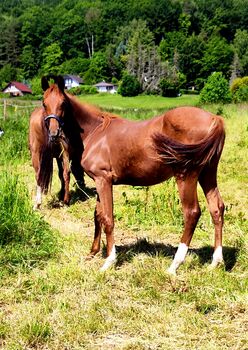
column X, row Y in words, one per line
column 64, row 302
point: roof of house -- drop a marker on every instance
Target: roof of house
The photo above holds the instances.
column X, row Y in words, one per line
column 20, row 86
column 73, row 77
column 104, row 84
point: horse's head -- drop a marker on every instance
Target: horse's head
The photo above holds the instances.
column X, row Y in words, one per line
column 54, row 103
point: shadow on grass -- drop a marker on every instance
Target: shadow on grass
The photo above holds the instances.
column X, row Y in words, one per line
column 126, row 253
column 77, row 195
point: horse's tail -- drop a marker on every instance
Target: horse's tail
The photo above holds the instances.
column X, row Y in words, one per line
column 185, row 158
column 46, row 168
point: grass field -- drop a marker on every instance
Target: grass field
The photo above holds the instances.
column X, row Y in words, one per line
column 51, row 298
column 141, row 102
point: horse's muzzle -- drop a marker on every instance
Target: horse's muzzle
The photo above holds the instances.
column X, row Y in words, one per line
column 54, row 135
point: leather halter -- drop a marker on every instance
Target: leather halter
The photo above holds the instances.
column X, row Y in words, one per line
column 56, row 117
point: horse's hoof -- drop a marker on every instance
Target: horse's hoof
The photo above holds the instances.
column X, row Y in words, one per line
column 107, row 265
column 90, row 256
column 215, row 264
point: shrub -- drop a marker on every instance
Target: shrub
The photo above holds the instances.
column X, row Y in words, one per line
column 171, row 87
column 216, row 89
column 130, row 86
column 239, row 89
column 83, row 90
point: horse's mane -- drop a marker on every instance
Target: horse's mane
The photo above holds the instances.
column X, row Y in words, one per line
column 93, row 111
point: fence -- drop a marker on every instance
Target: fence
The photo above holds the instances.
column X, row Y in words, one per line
column 10, row 107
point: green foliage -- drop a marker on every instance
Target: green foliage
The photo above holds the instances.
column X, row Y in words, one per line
column 129, row 86
column 83, row 90
column 36, row 86
column 241, row 47
column 52, row 57
column 7, row 73
column 239, row 89
column 14, row 142
column 25, row 238
column 98, row 69
column 101, row 39
column 171, row 87
column 216, row 89
column 28, row 62
column 77, row 66
column 217, row 57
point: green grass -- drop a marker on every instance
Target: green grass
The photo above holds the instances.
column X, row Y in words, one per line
column 64, row 302
column 139, row 103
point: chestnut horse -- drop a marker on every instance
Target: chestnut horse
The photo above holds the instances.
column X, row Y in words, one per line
column 44, row 146
column 185, row 142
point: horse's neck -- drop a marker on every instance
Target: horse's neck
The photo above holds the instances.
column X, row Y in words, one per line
column 87, row 119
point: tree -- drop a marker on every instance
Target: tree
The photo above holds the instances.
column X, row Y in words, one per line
column 241, row 48
column 217, row 57
column 7, row 73
column 216, row 89
column 9, row 42
column 98, row 69
column 28, row 62
column 52, row 58
column 235, row 68
column 91, row 18
column 191, row 52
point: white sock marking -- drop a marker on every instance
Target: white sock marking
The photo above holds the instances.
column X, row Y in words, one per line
column 37, row 198
column 178, row 258
column 217, row 257
column 110, row 260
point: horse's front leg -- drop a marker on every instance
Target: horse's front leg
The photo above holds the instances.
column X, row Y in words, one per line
column 98, row 230
column 104, row 217
column 38, row 198
column 191, row 212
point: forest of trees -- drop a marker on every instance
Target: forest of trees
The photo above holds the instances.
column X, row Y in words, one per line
column 180, row 41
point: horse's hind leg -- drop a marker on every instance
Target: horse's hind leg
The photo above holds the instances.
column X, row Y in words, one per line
column 208, row 183
column 191, row 211
column 104, row 217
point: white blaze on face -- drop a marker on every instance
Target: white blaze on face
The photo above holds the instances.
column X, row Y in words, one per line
column 179, row 258
column 110, row 260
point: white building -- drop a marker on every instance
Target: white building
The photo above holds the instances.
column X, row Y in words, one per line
column 72, row 81
column 106, row 87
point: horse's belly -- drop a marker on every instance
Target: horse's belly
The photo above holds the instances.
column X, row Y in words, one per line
column 143, row 176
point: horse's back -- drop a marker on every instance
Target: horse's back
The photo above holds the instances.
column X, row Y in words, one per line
column 189, row 125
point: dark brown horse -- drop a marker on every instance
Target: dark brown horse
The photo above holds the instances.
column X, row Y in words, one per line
column 45, row 145
column 185, row 142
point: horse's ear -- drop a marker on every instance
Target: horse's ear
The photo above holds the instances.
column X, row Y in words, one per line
column 44, row 83
column 60, row 82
